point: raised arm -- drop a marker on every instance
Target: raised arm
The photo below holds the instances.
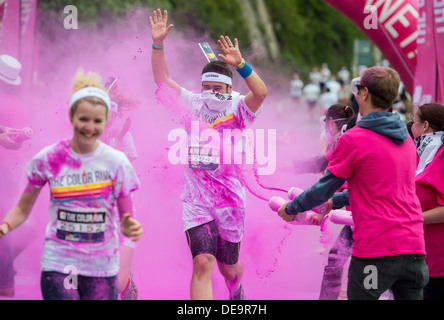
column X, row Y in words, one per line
column 233, row 56
column 159, row 31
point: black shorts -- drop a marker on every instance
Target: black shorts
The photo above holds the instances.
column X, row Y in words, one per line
column 204, row 239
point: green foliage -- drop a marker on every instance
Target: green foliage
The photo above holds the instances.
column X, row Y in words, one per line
column 214, row 18
column 309, row 32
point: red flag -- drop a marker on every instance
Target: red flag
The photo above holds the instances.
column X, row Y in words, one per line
column 438, row 13
column 425, row 75
column 394, row 30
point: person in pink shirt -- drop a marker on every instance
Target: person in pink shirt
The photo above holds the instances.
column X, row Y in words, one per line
column 377, row 159
column 428, row 130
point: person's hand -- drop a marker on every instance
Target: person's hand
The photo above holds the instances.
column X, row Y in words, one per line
column 131, row 227
column 283, row 214
column 7, row 138
column 316, row 219
column 4, row 229
column 231, row 55
column 159, row 29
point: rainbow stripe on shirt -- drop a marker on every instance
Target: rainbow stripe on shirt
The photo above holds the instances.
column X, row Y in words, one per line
column 94, row 191
column 225, row 122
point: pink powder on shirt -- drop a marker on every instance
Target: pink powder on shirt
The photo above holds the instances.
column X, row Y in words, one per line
column 386, row 211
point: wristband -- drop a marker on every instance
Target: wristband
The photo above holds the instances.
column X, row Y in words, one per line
column 241, row 65
column 245, row 71
column 7, row 223
column 158, row 48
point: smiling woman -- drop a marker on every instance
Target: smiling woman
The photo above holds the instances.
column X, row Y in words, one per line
column 88, row 112
column 88, row 180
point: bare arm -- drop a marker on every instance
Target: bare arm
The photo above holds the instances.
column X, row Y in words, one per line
column 130, row 227
column 21, row 211
column 435, row 215
column 159, row 32
column 232, row 56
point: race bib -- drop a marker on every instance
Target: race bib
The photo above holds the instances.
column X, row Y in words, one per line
column 81, row 226
column 203, row 158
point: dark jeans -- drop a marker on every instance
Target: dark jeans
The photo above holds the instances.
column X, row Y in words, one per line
column 406, row 275
column 337, row 257
column 434, row 290
column 88, row 288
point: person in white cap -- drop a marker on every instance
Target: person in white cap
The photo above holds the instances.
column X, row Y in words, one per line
column 12, row 115
column 213, row 196
column 10, row 78
column 87, row 179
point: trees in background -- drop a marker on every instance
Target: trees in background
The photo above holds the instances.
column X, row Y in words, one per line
column 290, row 35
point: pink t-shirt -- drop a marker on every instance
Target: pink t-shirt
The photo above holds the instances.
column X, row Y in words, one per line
column 381, row 185
column 430, row 191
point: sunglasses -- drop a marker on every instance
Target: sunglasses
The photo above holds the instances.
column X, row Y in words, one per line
column 359, row 87
column 324, row 119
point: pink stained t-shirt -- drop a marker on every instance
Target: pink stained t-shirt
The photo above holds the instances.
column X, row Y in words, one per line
column 381, row 183
column 220, row 185
column 430, row 191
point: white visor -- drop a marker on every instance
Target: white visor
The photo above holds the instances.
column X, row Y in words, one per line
column 353, row 83
column 216, row 77
column 90, row 92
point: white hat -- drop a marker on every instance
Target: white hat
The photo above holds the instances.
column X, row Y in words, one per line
column 10, row 70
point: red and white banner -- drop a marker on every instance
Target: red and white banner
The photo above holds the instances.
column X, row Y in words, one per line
column 392, row 26
column 426, row 68
column 438, row 16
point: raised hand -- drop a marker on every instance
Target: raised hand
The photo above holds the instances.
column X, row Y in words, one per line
column 231, row 55
column 159, row 29
column 7, row 136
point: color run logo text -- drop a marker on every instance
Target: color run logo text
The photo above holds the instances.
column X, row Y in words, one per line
column 204, row 149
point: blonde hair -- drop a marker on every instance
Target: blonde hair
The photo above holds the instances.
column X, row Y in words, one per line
column 83, row 80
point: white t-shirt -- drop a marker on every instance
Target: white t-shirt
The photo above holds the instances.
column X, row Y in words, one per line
column 83, row 226
column 215, row 183
column 334, row 87
column 327, row 99
column 296, row 86
column 311, row 92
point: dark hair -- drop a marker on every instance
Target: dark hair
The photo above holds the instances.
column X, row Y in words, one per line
column 433, row 113
column 409, row 129
column 351, row 122
column 340, row 111
column 218, row 67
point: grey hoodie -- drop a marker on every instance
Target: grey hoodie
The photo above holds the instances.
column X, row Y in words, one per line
column 385, row 123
